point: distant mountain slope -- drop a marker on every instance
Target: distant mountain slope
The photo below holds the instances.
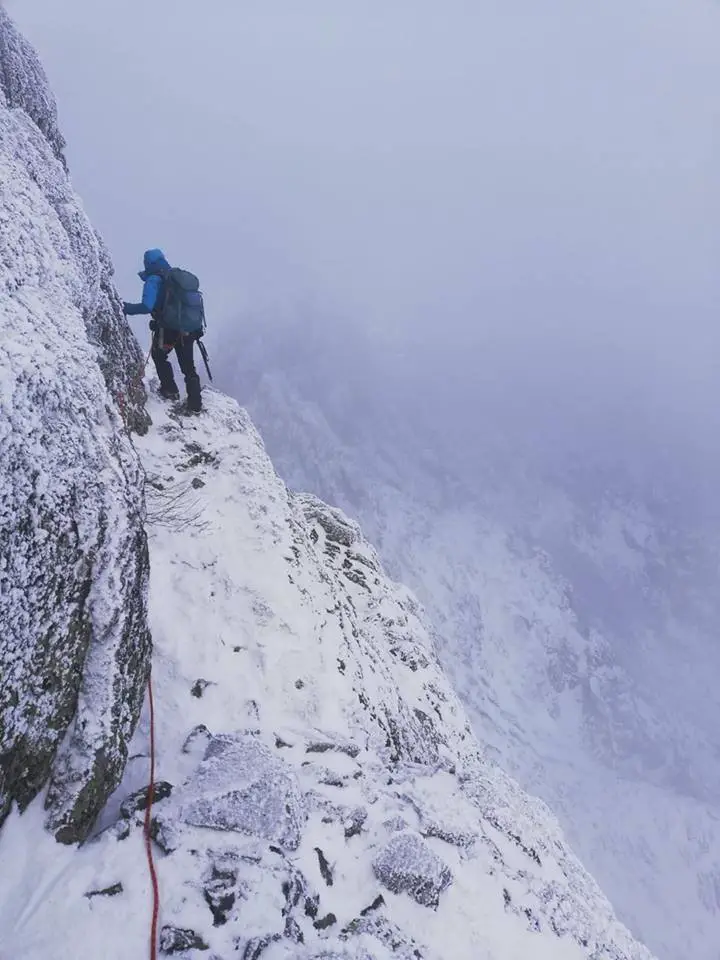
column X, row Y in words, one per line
column 573, row 595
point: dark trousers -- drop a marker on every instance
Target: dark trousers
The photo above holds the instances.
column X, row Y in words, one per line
column 164, row 342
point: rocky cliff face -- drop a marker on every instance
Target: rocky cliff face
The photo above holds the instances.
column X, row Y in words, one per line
column 75, row 646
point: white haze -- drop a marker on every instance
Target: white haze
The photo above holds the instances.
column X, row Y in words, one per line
column 534, row 186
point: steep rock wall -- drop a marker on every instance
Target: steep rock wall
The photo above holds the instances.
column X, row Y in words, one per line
column 74, row 647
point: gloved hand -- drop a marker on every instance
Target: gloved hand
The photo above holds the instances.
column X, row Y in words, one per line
column 154, row 326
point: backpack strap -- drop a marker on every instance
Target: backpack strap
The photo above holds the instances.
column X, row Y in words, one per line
column 166, row 289
column 172, row 286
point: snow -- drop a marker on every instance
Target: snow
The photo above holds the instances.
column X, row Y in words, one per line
column 316, row 667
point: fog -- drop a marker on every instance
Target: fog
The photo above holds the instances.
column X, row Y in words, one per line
column 402, row 160
column 526, row 191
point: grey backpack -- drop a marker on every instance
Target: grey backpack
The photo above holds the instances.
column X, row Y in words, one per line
column 183, row 307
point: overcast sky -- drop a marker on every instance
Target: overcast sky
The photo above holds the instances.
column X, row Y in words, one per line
column 547, row 170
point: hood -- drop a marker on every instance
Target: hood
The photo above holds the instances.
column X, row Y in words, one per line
column 155, row 263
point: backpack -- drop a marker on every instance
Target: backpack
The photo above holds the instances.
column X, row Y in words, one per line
column 183, row 307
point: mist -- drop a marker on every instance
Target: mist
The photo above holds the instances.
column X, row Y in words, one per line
column 484, row 169
column 519, row 193
column 515, row 205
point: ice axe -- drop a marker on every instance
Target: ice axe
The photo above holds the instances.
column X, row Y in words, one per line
column 204, row 355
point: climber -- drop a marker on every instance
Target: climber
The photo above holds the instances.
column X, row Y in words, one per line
column 173, row 299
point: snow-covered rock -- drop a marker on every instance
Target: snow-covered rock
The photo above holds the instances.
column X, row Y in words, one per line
column 73, row 556
column 407, row 865
column 241, row 786
column 327, row 784
column 23, row 84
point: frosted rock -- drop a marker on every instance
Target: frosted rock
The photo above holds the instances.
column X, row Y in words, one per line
column 197, row 740
column 338, row 528
column 241, row 786
column 354, row 822
column 397, row 942
column 73, row 553
column 138, row 801
column 333, row 745
column 358, row 953
column 253, row 949
column 449, row 832
column 178, row 940
column 408, row 865
column 24, row 83
column 396, row 824
column 220, row 889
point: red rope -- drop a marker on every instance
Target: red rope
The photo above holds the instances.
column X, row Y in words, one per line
column 148, row 838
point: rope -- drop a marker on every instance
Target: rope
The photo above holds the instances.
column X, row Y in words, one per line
column 151, row 790
column 148, row 838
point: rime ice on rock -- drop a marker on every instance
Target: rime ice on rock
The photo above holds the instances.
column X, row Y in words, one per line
column 398, row 943
column 179, row 940
column 408, row 865
column 338, row 528
column 24, row 83
column 241, row 786
column 336, row 745
column 73, row 555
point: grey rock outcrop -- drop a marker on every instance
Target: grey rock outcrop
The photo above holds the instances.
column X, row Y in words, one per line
column 24, row 84
column 240, row 786
column 75, row 646
column 408, row 865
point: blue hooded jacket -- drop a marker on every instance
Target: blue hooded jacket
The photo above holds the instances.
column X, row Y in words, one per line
column 156, row 266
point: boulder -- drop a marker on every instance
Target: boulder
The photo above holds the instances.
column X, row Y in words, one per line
column 179, row 939
column 407, row 865
column 242, row 786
